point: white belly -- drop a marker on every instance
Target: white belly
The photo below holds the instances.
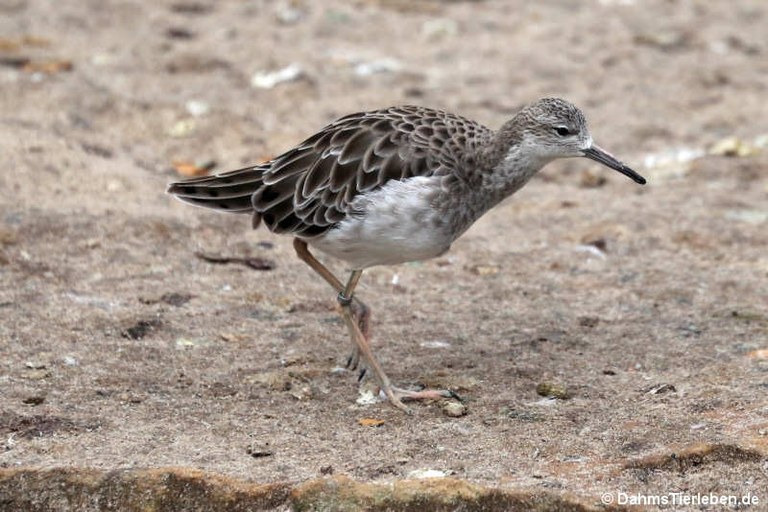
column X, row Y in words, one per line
column 398, row 225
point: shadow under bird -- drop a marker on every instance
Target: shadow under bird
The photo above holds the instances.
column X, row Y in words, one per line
column 395, row 185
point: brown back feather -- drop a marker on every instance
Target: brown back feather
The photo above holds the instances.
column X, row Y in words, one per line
column 310, row 188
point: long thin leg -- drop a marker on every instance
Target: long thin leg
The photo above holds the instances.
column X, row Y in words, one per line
column 303, row 252
column 351, row 308
column 345, row 299
column 361, row 310
column 395, row 395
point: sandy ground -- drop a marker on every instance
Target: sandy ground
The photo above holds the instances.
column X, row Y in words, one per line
column 119, row 348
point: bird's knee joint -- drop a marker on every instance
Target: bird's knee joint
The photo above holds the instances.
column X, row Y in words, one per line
column 344, row 301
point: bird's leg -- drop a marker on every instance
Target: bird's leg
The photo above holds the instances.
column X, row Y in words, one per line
column 359, row 327
column 302, row 251
column 360, row 310
column 363, row 314
column 395, row 395
column 345, row 299
column 356, row 316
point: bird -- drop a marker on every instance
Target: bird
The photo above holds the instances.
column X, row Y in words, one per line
column 394, row 185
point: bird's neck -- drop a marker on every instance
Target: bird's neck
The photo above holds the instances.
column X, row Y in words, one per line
column 498, row 170
column 514, row 165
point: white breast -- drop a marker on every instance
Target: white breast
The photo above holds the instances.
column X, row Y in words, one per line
column 398, row 224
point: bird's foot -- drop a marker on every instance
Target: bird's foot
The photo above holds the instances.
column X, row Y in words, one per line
column 426, row 394
column 396, row 396
column 353, row 361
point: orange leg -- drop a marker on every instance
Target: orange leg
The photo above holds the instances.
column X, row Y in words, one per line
column 356, row 316
column 359, row 308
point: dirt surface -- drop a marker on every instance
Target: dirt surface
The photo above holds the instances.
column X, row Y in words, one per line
column 122, row 348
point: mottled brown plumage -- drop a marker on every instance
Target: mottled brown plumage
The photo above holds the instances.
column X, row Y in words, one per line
column 308, row 189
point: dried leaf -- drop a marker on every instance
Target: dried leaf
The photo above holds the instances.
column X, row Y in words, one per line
column 190, row 169
column 7, row 237
column 49, row 67
column 9, row 45
column 759, row 354
column 12, row 45
column 29, row 40
column 370, row 422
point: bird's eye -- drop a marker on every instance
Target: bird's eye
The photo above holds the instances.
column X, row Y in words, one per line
column 562, row 131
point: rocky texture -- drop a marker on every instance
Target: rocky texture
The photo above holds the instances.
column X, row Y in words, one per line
column 88, row 490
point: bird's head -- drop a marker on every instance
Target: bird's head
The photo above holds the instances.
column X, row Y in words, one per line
column 553, row 128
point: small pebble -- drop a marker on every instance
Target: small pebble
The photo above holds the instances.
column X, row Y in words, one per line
column 302, row 392
column 552, row 390
column 733, row 146
column 289, row 14
column 269, row 79
column 659, row 389
column 36, row 374
column 485, row 270
column 439, row 28
column 454, row 409
column 435, row 344
column 191, row 342
column 197, row 108
column 182, row 128
column 374, row 67
column 368, row 394
column 427, row 473
column 259, row 449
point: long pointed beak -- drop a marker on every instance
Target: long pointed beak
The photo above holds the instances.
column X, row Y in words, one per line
column 600, row 155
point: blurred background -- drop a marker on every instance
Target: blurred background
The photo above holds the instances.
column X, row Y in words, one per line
column 234, row 82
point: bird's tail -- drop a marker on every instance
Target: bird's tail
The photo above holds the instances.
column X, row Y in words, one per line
column 228, row 192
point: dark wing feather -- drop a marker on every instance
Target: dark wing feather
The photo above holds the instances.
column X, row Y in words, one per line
column 230, row 191
column 310, row 188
